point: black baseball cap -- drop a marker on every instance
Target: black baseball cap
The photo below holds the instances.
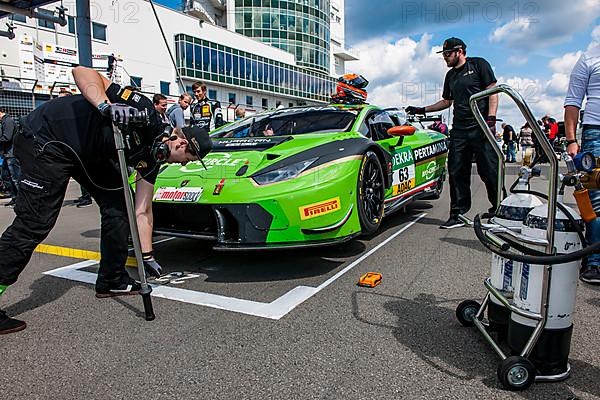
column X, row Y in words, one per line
column 453, row 43
column 200, row 143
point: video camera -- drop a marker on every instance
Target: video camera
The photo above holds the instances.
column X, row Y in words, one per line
column 124, row 115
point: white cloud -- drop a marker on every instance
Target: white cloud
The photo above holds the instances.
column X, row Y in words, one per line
column 558, row 84
column 518, row 60
column 565, row 63
column 410, row 72
column 556, row 23
column 401, row 72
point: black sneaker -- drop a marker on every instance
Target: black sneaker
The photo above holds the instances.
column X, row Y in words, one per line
column 590, row 274
column 10, row 325
column 84, row 203
column 120, row 289
column 11, row 204
column 452, row 222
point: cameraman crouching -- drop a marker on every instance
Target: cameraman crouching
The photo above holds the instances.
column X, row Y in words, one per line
column 73, row 137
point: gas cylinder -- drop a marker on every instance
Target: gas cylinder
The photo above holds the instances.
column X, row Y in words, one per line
column 510, row 214
column 550, row 354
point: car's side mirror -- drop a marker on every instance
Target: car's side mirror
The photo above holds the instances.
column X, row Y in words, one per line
column 402, row 130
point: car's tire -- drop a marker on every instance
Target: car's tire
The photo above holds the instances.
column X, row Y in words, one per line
column 370, row 193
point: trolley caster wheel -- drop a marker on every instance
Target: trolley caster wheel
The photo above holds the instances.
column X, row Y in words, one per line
column 516, row 373
column 466, row 312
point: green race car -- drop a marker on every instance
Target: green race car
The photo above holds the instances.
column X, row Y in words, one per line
column 299, row 177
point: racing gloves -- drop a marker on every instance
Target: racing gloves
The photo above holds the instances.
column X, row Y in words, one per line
column 123, row 115
column 415, row 110
column 491, row 123
column 151, row 266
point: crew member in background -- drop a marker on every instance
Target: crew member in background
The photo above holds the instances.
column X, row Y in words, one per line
column 551, row 126
column 585, row 80
column 11, row 166
column 160, row 105
column 240, row 113
column 510, row 140
column 439, row 126
column 205, row 113
column 525, row 138
column 467, row 76
column 111, row 65
column 175, row 112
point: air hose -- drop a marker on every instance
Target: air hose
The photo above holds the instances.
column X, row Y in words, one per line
column 532, row 259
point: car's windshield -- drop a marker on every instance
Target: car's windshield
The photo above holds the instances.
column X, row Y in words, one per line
column 293, row 121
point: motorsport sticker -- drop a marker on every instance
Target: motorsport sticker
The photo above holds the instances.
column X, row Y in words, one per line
column 403, row 168
column 179, row 195
column 320, row 208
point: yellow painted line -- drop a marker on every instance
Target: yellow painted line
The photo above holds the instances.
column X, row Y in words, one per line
column 76, row 253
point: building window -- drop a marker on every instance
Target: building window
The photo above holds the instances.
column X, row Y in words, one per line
column 165, row 87
column 19, row 18
column 232, row 98
column 99, row 31
column 136, row 81
column 265, row 103
column 248, row 100
column 71, row 24
column 45, row 24
column 212, row 94
column 202, row 59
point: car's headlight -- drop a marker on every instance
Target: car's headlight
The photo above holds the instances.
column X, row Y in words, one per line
column 285, row 173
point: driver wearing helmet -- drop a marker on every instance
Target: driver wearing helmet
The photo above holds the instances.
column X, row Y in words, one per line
column 350, row 90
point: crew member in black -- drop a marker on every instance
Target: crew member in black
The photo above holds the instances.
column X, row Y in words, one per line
column 467, row 76
column 73, row 137
column 205, row 113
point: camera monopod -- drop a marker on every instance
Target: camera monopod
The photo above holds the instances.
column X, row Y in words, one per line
column 133, row 227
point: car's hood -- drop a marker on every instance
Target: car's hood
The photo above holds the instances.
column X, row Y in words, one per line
column 242, row 157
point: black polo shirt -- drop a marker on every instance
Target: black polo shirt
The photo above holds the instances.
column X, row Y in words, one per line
column 74, row 121
column 461, row 83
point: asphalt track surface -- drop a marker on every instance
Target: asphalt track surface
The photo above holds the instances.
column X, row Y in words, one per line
column 335, row 340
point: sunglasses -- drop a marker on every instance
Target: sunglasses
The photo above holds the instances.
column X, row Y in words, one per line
column 448, row 53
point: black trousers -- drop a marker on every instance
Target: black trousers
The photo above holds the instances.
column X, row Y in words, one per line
column 45, row 174
column 464, row 145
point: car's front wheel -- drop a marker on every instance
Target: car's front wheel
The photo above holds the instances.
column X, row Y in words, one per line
column 371, row 192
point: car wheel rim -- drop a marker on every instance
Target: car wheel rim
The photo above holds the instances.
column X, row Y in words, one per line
column 372, row 193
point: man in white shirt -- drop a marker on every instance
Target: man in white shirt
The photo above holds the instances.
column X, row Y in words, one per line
column 585, row 81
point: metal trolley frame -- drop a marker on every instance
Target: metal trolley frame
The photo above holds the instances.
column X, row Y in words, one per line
column 517, row 375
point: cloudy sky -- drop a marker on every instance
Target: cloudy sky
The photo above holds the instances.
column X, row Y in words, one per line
column 531, row 45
